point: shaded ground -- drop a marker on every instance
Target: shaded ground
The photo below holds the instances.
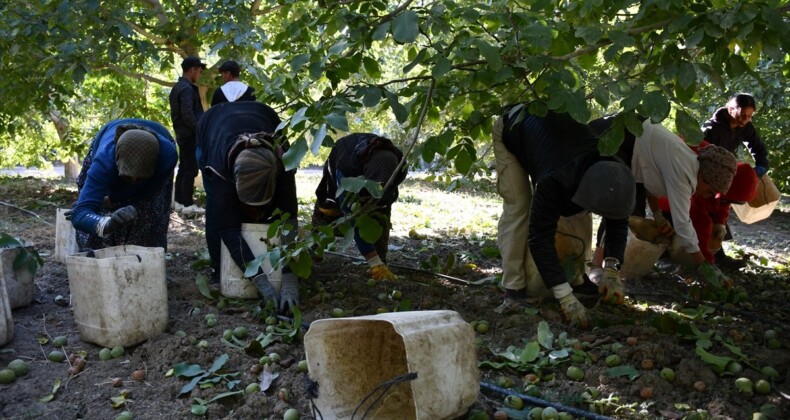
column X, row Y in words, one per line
column 659, row 327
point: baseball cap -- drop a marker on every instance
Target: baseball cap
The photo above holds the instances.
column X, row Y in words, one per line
column 190, row 62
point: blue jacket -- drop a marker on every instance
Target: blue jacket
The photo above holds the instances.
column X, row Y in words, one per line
column 102, row 177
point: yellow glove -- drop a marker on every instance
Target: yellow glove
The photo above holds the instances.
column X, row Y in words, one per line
column 379, row 270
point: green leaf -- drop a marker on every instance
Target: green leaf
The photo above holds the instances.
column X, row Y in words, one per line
column 611, row 140
column 687, row 75
column 405, row 27
column 302, row 265
column 185, row 370
column 491, row 54
column 369, row 228
column 493, row 365
column 219, row 362
column 298, row 61
column 225, row 395
column 718, row 362
column 621, row 38
column 538, row 34
column 372, row 97
column 318, row 139
column 463, row 161
column 656, row 106
column 736, row 351
column 590, row 34
column 353, row 184
column 198, row 409
column 293, row 157
column 299, row 116
column 545, row 336
column 688, row 127
column 624, row 370
column 381, row 31
column 736, row 66
column 559, row 354
column 371, row 67
column 530, row 353
column 337, row 121
column 442, row 67
column 202, row 284
column 399, row 110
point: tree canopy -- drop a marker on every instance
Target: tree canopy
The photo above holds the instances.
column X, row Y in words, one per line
column 431, row 74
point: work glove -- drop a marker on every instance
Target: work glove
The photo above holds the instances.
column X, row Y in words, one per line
column 716, row 237
column 379, row 270
column 760, row 171
column 611, row 287
column 289, row 292
column 120, row 218
column 265, row 288
column 573, row 311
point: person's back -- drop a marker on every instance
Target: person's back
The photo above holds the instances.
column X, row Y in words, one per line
column 232, row 89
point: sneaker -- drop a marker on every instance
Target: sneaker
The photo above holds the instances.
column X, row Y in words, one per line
column 725, row 262
column 191, row 211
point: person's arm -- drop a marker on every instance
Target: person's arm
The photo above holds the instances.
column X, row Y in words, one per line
column 544, row 215
column 226, row 207
column 757, row 149
column 703, row 224
column 186, row 99
column 616, row 238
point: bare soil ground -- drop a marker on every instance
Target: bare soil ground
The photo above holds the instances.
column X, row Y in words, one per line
column 663, row 322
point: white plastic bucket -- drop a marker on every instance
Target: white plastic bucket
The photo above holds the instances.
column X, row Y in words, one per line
column 6, row 320
column 350, row 357
column 640, row 257
column 120, row 295
column 18, row 283
column 233, row 284
column 65, row 237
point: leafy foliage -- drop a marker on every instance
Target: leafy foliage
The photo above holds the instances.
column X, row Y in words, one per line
column 441, row 68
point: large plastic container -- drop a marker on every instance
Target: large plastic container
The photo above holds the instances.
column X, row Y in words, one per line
column 6, row 320
column 65, row 237
column 640, row 257
column 18, row 283
column 233, row 284
column 763, row 204
column 350, row 357
column 120, row 295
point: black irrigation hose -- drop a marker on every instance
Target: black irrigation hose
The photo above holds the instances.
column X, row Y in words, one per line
column 406, row 267
column 543, row 403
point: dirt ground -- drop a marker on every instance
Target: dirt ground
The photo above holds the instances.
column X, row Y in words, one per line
column 661, row 326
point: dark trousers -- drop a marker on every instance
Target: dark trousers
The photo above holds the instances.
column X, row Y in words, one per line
column 212, row 233
column 187, row 171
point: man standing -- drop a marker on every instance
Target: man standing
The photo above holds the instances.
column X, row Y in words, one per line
column 185, row 111
column 232, row 88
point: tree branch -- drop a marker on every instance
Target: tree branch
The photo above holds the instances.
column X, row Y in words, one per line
column 144, row 76
column 633, row 31
column 407, row 152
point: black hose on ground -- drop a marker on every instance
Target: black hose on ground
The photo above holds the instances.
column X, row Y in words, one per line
column 406, row 267
column 543, row 403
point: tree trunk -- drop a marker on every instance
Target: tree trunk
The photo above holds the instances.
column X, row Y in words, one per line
column 72, row 166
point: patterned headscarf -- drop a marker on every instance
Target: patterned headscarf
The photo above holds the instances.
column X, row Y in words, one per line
column 717, row 167
column 136, row 153
column 255, row 173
